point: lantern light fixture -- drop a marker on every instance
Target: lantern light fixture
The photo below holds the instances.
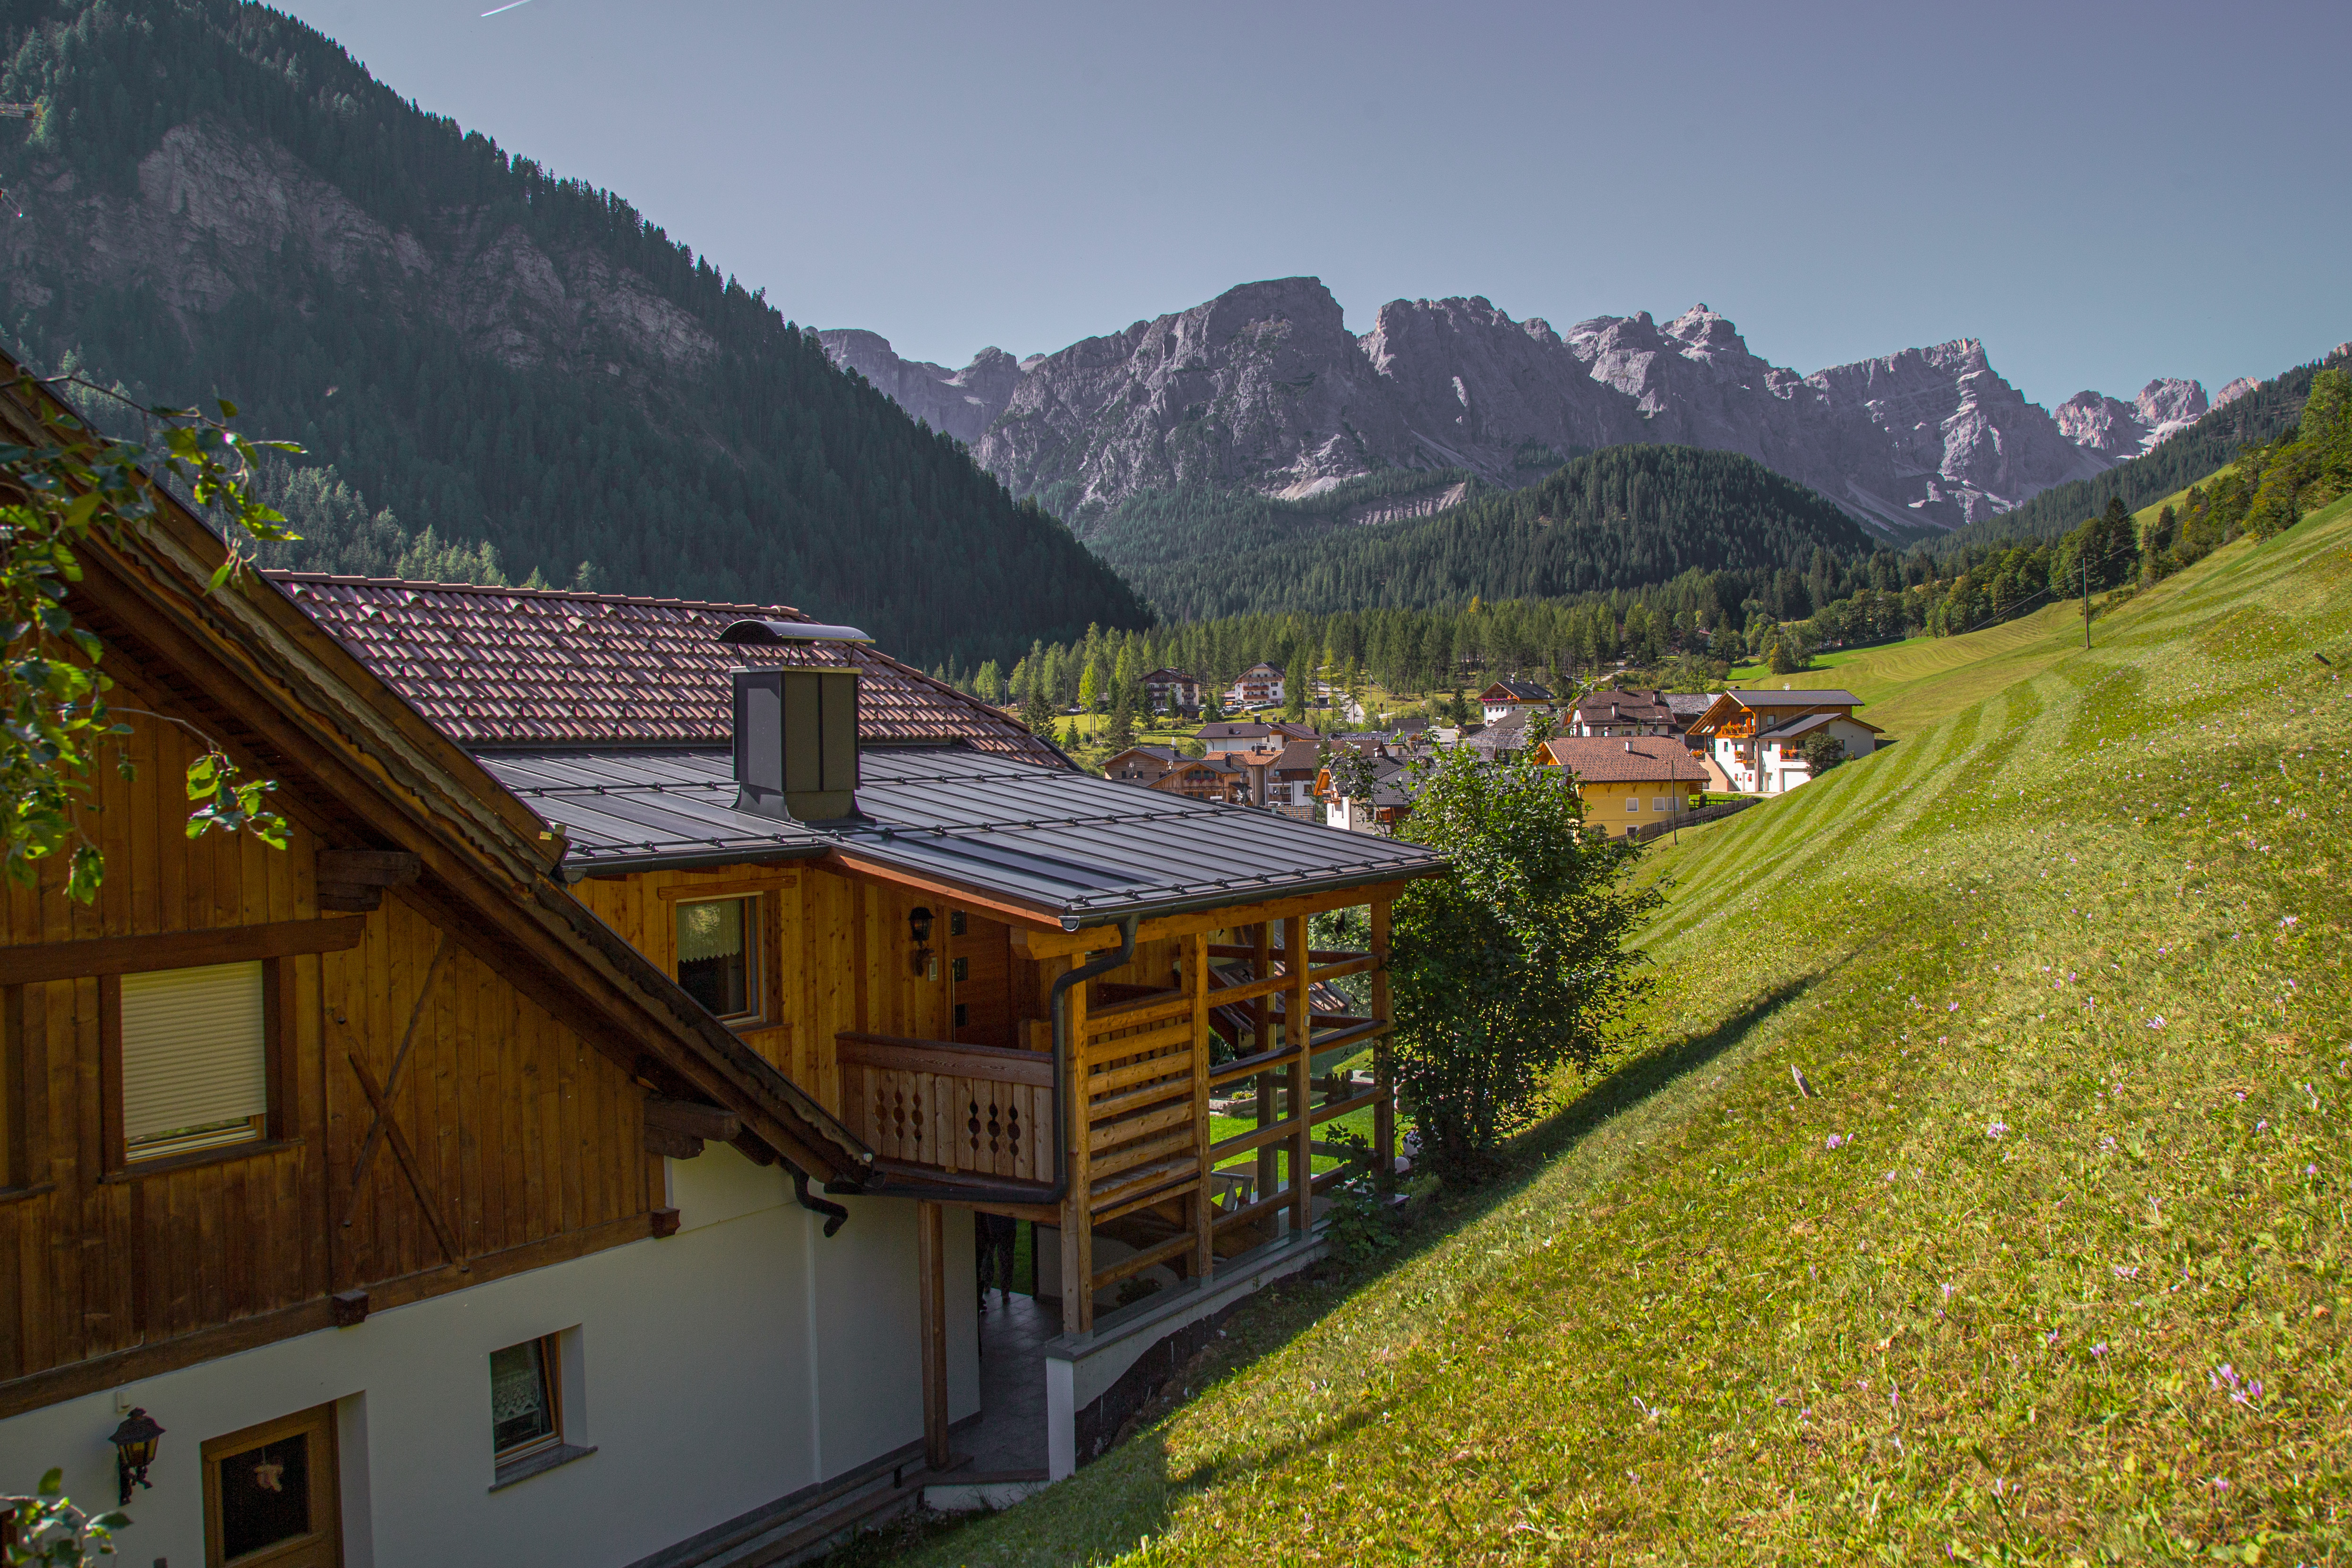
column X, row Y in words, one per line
column 918, row 926
column 134, row 1449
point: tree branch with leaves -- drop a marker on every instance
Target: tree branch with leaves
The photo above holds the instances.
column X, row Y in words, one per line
column 70, row 486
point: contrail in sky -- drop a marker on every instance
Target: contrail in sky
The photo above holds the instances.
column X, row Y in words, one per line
column 509, row 5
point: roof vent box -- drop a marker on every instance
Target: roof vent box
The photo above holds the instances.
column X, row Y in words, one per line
column 796, row 743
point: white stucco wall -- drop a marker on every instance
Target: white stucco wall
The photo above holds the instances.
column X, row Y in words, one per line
column 713, row 1371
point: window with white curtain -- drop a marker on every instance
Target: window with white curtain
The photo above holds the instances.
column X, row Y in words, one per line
column 195, row 1059
column 717, row 955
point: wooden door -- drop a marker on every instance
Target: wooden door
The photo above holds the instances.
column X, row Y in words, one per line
column 272, row 1495
column 979, row 979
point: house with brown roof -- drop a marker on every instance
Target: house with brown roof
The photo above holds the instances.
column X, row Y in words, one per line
column 1249, row 735
column 891, row 894
column 1628, row 785
column 602, row 1081
column 1505, row 699
column 1610, row 713
column 1144, row 765
column 1260, row 685
column 1219, row 778
column 1172, row 691
column 1758, row 738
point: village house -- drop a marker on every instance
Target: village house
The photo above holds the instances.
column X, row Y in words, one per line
column 1144, row 765
column 1260, row 685
column 1388, row 805
column 1610, row 713
column 583, row 1094
column 1218, row 779
column 1504, row 740
column 1227, row 736
column 1506, row 698
column 1629, row 785
column 1172, row 692
column 1756, row 737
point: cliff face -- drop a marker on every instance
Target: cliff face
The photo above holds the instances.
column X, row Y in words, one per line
column 1263, row 389
column 215, row 215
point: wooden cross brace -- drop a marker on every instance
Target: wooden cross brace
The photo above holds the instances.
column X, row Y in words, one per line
column 384, row 1129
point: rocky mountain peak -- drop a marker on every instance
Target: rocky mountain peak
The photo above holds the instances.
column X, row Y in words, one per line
column 1262, row 388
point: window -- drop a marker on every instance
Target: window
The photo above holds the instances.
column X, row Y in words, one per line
column 192, row 1068
column 717, row 949
column 1632, row 802
column 526, row 1405
column 1660, row 803
column 960, row 968
column 271, row 1492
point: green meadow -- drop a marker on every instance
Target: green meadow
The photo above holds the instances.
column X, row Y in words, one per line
column 1971, row 1188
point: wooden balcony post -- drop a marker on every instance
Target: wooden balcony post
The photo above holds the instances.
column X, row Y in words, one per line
column 1298, row 1032
column 931, row 1287
column 1383, row 1079
column 1204, row 1201
column 1269, row 1159
column 1077, row 1208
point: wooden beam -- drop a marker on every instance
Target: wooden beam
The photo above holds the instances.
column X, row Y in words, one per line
column 931, row 1288
column 1204, row 1201
column 693, row 1118
column 36, row 962
column 1078, row 1221
column 407, row 1158
column 1298, row 1028
column 1137, row 1262
column 356, row 879
column 1036, row 944
column 992, row 1063
column 1269, row 1162
column 1383, row 1071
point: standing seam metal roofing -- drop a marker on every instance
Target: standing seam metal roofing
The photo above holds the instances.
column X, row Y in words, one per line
column 1076, row 848
column 491, row 666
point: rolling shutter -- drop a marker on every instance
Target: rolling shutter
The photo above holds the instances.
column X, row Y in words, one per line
column 195, row 1055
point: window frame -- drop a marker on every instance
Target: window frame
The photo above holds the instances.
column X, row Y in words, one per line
column 551, row 1352
column 270, row 1128
column 755, row 953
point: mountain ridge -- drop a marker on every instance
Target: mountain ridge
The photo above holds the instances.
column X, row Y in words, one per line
column 1263, row 390
column 488, row 352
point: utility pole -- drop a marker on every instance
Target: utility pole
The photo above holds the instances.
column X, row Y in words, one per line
column 2086, row 602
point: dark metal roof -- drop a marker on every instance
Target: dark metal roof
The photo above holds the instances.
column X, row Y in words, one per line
column 1815, row 696
column 1077, row 849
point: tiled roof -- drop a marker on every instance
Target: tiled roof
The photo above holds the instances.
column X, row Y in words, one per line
column 1641, row 707
column 1639, row 760
column 502, row 666
column 1689, row 705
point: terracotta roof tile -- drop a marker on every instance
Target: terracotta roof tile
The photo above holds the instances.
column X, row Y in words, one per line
column 1643, row 758
column 493, row 666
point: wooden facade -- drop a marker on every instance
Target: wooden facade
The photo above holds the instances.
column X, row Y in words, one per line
column 458, row 1055
column 858, row 1017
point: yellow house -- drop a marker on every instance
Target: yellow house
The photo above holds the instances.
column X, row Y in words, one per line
column 1627, row 785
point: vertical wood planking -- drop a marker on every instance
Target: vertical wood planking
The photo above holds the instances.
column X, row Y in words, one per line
column 1078, row 1218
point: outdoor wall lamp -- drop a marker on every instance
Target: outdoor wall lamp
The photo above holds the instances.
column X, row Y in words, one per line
column 918, row 926
column 135, row 1450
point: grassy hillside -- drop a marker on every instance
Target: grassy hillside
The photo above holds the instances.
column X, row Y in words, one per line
column 2051, row 1269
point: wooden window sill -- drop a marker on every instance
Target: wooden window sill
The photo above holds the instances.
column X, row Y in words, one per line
column 16, row 1194
column 516, row 1471
column 222, row 1155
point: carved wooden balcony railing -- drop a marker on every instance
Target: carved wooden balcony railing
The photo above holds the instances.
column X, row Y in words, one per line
column 964, row 1110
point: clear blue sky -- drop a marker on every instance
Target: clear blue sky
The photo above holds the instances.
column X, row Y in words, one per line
column 2103, row 193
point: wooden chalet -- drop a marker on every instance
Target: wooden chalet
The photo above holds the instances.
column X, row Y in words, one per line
column 1172, row 691
column 337, row 1160
column 1504, row 699
column 1756, row 736
column 996, row 972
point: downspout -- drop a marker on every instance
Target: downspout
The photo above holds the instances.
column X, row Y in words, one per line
column 835, row 1216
